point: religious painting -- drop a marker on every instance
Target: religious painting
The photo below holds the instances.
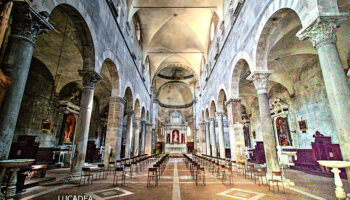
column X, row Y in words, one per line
column 254, row 134
column 283, row 132
column 69, row 128
column 176, row 136
column 45, row 126
column 246, row 136
column 168, row 138
column 182, row 138
column 302, row 125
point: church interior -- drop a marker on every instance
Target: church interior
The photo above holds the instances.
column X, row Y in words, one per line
column 175, row 99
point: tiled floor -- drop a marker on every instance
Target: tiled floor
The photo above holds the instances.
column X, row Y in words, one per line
column 176, row 183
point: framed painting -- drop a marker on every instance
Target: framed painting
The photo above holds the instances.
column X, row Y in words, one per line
column 302, row 125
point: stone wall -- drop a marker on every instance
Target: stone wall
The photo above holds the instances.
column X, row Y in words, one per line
column 109, row 43
column 309, row 103
column 36, row 106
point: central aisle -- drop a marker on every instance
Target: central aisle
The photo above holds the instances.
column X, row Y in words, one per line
column 176, row 183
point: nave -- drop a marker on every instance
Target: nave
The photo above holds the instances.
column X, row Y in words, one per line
column 177, row 182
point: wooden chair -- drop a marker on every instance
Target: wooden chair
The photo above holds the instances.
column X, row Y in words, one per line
column 119, row 174
column 260, row 173
column 200, row 174
column 86, row 174
column 278, row 179
column 229, row 175
column 249, row 170
column 152, row 175
column 102, row 170
column 241, row 167
column 128, row 169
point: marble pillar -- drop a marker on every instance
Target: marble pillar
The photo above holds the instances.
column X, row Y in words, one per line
column 236, row 130
column 212, row 136
column 90, row 78
column 129, row 133
column 148, row 140
column 27, row 24
column 323, row 37
column 207, row 138
column 136, row 136
column 220, row 117
column 113, row 141
column 260, row 79
column 202, row 145
column 143, row 136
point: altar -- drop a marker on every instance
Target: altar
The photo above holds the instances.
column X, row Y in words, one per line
column 175, row 132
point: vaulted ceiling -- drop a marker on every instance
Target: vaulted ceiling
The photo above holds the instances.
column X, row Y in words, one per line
column 175, row 31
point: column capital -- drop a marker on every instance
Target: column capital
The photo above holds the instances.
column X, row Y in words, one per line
column 90, row 78
column 260, row 80
column 211, row 119
column 137, row 119
column 233, row 101
column 130, row 113
column 220, row 114
column 117, row 98
column 323, row 31
column 28, row 23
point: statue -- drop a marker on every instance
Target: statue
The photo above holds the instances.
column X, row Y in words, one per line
column 69, row 129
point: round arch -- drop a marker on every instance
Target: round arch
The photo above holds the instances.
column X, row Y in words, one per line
column 272, row 15
column 84, row 26
column 221, row 100
column 212, row 109
column 128, row 97
column 114, row 76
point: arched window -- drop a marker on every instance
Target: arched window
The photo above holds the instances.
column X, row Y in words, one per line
column 138, row 31
column 137, row 27
column 212, row 31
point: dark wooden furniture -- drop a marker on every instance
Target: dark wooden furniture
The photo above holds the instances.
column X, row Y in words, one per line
column 24, row 148
column 92, row 154
column 322, row 149
column 38, row 171
column 258, row 153
column 190, row 147
column 44, row 156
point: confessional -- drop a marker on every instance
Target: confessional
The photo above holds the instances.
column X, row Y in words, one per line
column 322, row 149
column 258, row 153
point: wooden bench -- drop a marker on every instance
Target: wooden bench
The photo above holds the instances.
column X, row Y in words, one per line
column 38, row 171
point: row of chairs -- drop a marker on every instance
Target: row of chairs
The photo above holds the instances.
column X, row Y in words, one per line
column 218, row 167
column 89, row 173
column 248, row 170
column 138, row 164
column 197, row 170
column 157, row 170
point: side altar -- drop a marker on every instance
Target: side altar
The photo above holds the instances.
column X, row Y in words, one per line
column 175, row 132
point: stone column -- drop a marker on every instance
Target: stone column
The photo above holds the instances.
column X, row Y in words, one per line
column 220, row 116
column 114, row 130
column 137, row 136
column 212, row 136
column 323, row 37
column 90, row 78
column 236, row 130
column 143, row 136
column 148, row 140
column 207, row 138
column 129, row 133
column 260, row 79
column 27, row 24
column 202, row 145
